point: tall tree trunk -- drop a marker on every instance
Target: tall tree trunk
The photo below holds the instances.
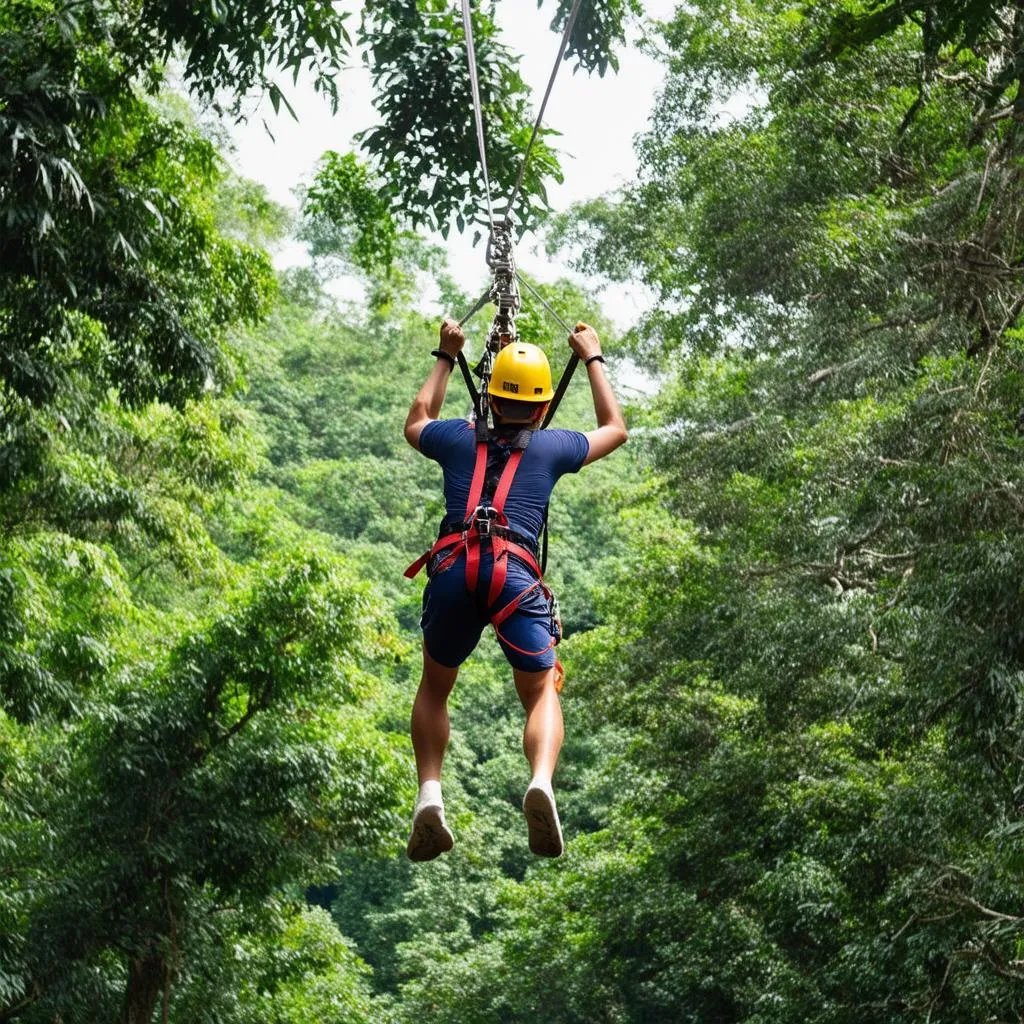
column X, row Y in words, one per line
column 145, row 982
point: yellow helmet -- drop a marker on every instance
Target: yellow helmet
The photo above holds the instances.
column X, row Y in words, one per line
column 521, row 372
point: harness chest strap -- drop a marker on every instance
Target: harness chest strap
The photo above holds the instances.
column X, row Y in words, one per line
column 470, row 539
column 500, row 546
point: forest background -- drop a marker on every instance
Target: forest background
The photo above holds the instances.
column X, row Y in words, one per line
column 793, row 779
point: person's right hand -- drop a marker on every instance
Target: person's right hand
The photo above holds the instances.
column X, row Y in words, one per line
column 452, row 338
column 585, row 342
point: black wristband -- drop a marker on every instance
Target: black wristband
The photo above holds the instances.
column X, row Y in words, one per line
column 598, row 358
column 441, row 354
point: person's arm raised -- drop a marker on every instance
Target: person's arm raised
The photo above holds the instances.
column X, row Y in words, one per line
column 426, row 406
column 611, row 427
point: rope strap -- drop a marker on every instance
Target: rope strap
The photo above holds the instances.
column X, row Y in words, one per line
column 544, row 302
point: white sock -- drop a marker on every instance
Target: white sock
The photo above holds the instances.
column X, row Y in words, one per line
column 537, row 782
column 430, row 793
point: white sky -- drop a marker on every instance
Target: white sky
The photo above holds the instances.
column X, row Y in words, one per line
column 597, row 118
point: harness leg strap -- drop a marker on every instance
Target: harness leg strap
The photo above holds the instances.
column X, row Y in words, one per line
column 499, row 570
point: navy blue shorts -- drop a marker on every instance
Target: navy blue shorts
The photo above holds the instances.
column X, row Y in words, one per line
column 453, row 618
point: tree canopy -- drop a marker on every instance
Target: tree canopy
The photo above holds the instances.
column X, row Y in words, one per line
column 793, row 605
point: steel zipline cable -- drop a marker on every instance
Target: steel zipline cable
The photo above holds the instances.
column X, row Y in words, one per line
column 543, row 106
column 474, row 84
column 505, row 228
column 474, row 81
column 544, row 302
column 507, row 263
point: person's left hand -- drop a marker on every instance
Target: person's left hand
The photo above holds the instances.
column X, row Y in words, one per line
column 585, row 342
column 452, row 338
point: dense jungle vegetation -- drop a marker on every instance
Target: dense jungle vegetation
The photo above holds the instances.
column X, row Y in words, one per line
column 793, row 783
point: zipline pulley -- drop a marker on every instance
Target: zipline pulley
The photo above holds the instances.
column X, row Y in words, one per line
column 505, row 290
column 504, row 293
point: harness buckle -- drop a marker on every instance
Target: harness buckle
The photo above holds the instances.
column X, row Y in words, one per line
column 483, row 518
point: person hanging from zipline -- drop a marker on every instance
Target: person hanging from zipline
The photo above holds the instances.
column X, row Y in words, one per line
column 484, row 566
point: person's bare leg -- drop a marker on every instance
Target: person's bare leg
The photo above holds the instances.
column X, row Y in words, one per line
column 542, row 741
column 430, row 833
column 430, row 717
column 542, row 737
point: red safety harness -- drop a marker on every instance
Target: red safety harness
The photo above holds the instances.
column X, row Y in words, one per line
column 488, row 524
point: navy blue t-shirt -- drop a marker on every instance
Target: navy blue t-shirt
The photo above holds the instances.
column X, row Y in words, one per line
column 550, row 454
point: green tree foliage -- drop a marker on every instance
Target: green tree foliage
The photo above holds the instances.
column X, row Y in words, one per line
column 295, row 968
column 197, row 690
column 599, row 30
column 240, row 47
column 186, row 739
column 966, row 22
column 422, row 162
column 816, row 643
column 792, row 777
column 176, row 759
column 346, row 204
column 224, row 771
column 426, row 144
column 330, row 388
column 109, row 250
